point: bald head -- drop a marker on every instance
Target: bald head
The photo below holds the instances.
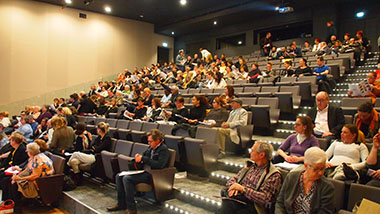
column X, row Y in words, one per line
column 322, row 100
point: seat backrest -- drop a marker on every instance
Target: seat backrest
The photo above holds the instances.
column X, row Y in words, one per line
column 206, row 90
column 248, row 101
column 354, row 102
column 58, row 163
column 339, row 190
column 295, row 90
column 219, row 90
column 166, row 128
column 139, row 148
column 271, row 101
column 348, row 119
column 111, row 122
column 312, row 79
column 240, row 81
column 99, row 119
column 271, row 89
column 288, row 79
column 285, row 101
column 208, row 134
column 122, row 124
column 252, row 89
column 113, row 144
column 147, row 126
column 90, row 120
column 135, row 125
column 194, row 90
column 120, row 110
column 171, row 158
column 124, row 147
column 358, row 192
column 238, row 89
column 261, row 115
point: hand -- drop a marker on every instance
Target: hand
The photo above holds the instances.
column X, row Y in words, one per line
column 289, row 159
column 16, row 178
column 46, row 137
column 376, row 142
column 296, row 159
column 327, row 134
column 192, row 121
column 225, row 125
column 329, row 165
column 138, row 158
column 17, row 168
column 235, row 189
column 376, row 174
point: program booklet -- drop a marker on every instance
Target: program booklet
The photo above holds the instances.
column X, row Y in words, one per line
column 360, row 89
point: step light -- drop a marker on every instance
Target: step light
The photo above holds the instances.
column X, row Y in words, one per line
column 202, row 198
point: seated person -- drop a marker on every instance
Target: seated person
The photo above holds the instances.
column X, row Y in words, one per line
column 140, row 110
column 322, row 71
column 25, row 129
column 255, row 74
column 374, row 85
column 83, row 138
column 198, row 111
column 328, row 119
column 147, row 95
column 273, row 54
column 250, row 186
column 297, row 143
column 218, row 113
column 155, row 157
column 347, row 150
column 371, row 176
column 112, row 107
column 39, row 165
column 153, row 112
column 178, row 112
column 367, row 121
column 238, row 117
column 288, row 72
column 63, row 136
column 307, row 191
column 303, row 69
column 102, row 142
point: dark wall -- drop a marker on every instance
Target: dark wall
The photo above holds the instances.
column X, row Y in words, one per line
column 342, row 14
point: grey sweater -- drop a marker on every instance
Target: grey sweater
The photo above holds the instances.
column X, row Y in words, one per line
column 322, row 201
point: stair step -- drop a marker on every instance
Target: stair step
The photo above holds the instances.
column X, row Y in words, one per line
column 221, row 177
column 199, row 193
column 175, row 206
column 282, row 133
column 286, row 124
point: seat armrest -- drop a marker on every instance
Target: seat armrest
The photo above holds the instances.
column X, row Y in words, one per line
column 162, row 181
column 210, row 156
column 50, row 188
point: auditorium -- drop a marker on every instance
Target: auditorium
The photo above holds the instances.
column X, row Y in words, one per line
column 189, row 106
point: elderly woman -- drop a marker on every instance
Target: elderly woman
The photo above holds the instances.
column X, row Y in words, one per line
column 297, row 143
column 45, row 113
column 17, row 153
column 39, row 165
column 348, row 151
column 63, row 136
column 307, row 191
column 102, row 142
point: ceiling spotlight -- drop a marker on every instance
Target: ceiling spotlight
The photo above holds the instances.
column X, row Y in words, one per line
column 68, row 1
column 277, row 8
column 360, row 14
column 240, row 42
column 141, row 16
column 108, row 9
column 215, row 22
column 165, row 44
column 172, row 32
column 183, row 2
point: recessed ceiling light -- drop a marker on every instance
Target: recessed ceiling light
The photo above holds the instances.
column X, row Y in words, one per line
column 108, row 9
column 68, row 1
column 165, row 44
column 215, row 22
column 240, row 42
column 141, row 16
column 172, row 32
column 360, row 14
column 183, row 2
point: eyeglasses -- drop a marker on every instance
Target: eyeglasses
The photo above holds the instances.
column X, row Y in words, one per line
column 298, row 124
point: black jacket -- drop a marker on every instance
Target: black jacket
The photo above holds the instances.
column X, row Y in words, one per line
column 335, row 118
column 156, row 158
column 19, row 157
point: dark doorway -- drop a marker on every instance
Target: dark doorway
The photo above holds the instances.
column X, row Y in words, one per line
column 163, row 55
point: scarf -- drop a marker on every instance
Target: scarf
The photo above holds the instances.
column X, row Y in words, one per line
column 374, row 121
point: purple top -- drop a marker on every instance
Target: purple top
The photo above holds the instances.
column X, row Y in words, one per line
column 296, row 148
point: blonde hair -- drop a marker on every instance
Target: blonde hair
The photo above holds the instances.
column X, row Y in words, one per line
column 58, row 122
column 17, row 137
column 103, row 127
column 67, row 111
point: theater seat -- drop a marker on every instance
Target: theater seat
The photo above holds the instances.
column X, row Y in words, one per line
column 50, row 187
column 358, row 192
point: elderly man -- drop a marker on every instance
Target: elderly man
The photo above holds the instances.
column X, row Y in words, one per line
column 238, row 117
column 257, row 184
column 155, row 157
column 327, row 118
column 307, row 191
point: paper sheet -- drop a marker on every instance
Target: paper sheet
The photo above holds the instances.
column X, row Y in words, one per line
column 133, row 172
column 287, row 166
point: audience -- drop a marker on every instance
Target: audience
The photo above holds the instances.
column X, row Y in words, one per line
column 374, row 87
column 367, row 121
column 63, row 136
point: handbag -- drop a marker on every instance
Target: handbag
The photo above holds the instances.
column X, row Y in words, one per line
column 7, row 207
column 27, row 188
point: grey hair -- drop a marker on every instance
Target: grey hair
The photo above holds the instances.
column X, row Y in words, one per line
column 33, row 148
column 315, row 155
column 267, row 148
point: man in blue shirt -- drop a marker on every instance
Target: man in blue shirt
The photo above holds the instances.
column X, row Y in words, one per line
column 322, row 71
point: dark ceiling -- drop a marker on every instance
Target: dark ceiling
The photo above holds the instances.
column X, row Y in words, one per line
column 197, row 15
